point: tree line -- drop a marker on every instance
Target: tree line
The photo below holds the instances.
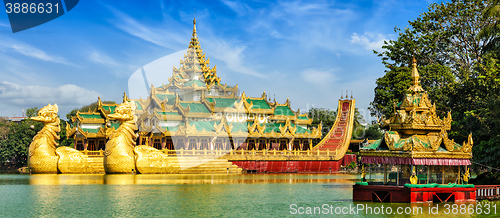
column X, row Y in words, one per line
column 15, row 138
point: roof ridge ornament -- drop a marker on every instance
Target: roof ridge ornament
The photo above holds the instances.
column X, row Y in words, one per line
column 415, row 87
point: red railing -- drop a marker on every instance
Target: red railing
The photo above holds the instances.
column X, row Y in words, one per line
column 487, row 192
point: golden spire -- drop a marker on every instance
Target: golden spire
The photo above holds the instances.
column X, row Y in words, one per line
column 415, row 87
column 194, row 28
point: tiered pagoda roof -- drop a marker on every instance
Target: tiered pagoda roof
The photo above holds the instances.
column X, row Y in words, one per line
column 196, row 103
column 415, row 130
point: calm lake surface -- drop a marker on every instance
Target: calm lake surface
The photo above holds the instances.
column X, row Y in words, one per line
column 247, row 195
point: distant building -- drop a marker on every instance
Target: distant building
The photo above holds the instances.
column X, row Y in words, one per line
column 16, row 119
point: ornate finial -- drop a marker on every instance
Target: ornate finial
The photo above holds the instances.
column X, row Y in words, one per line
column 351, row 95
column 346, row 94
column 341, row 95
column 415, row 87
column 125, row 98
column 99, row 103
column 194, row 27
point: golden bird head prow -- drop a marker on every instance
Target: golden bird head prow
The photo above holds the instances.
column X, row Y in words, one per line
column 124, row 112
column 47, row 114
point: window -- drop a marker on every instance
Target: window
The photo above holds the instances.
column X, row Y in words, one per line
column 204, row 144
column 251, row 144
column 192, row 144
column 283, row 145
column 169, row 144
column 262, row 144
column 79, row 145
column 296, row 144
column 180, row 142
column 218, row 144
column 91, row 145
column 305, row 145
column 102, row 145
column 157, row 144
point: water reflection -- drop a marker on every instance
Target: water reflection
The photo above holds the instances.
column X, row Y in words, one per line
column 152, row 179
column 262, row 195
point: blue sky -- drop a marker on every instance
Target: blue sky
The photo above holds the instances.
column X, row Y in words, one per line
column 308, row 51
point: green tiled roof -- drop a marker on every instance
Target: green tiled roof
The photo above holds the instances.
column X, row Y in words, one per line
column 109, row 108
column 91, row 116
column 138, row 105
column 302, row 130
column 223, row 102
column 302, row 118
column 196, row 107
column 91, row 130
column 167, row 113
column 239, row 126
column 259, row 104
column 200, row 125
column 170, row 128
column 283, row 110
column 272, row 127
column 372, row 146
column 115, row 125
column 170, row 98
column 190, row 83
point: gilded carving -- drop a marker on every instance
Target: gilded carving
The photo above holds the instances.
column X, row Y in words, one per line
column 42, row 151
column 415, row 125
column 119, row 153
column 152, row 161
column 72, row 161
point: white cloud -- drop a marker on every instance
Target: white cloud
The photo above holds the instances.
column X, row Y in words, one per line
column 102, row 58
column 318, row 78
column 232, row 56
column 17, row 97
column 238, row 7
column 165, row 37
column 369, row 40
column 30, row 51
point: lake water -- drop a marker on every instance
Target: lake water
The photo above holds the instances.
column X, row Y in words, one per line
column 247, row 195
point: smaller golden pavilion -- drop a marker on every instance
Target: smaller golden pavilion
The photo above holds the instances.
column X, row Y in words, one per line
column 416, row 142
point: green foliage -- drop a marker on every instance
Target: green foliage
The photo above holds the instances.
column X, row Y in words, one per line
column 324, row 116
column 63, row 141
column 371, row 132
column 4, row 129
column 486, row 178
column 15, row 147
column 32, row 112
column 351, row 165
column 327, row 118
column 447, row 34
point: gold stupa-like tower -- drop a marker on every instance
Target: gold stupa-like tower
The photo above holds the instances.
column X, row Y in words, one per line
column 416, row 129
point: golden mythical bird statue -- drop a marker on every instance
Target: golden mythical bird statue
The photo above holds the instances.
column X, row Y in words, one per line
column 43, row 155
column 119, row 153
column 42, row 151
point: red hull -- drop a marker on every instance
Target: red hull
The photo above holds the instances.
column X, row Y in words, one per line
column 289, row 166
column 381, row 193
